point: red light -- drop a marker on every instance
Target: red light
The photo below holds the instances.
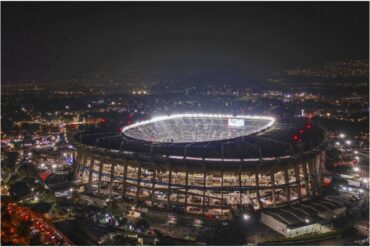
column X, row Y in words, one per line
column 308, row 126
column 301, row 131
column 296, row 137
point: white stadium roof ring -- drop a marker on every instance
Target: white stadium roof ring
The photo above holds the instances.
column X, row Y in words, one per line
column 197, row 127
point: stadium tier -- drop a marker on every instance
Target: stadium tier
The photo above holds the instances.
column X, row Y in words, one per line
column 203, row 164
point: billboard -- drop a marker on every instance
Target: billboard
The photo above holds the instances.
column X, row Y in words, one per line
column 235, row 122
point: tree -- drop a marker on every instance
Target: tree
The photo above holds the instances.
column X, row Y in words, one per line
column 27, row 170
column 41, row 207
column 19, row 190
column 35, row 240
column 24, row 227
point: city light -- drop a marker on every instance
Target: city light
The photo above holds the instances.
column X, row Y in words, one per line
column 342, row 135
column 348, row 142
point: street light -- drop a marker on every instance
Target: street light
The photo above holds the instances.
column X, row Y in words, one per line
column 341, row 135
column 348, row 142
column 246, row 216
column 71, row 190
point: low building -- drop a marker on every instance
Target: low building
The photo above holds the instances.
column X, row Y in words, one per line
column 307, row 217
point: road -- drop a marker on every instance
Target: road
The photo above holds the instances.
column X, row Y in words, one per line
column 50, row 234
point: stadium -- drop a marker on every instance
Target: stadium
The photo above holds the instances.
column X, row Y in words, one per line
column 205, row 164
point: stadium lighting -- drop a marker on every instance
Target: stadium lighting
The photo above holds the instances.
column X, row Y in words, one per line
column 341, row 135
column 269, row 120
column 307, row 221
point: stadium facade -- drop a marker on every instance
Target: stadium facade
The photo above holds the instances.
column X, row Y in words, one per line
column 203, row 164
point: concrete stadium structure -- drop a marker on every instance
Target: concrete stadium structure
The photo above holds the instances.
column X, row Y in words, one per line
column 271, row 163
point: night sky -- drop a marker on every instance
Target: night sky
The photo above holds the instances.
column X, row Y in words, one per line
column 48, row 41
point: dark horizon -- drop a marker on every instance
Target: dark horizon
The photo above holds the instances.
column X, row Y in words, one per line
column 49, row 41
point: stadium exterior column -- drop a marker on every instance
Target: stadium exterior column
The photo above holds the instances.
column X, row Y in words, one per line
column 177, row 197
column 222, row 179
column 298, row 181
column 99, row 179
column 124, row 184
column 79, row 156
column 273, row 188
column 138, row 184
column 204, row 186
column 77, row 161
column 186, row 184
column 312, row 174
column 84, row 160
column 92, row 160
column 258, row 190
column 153, row 182
column 240, row 185
column 111, row 179
column 287, row 186
column 305, row 174
column 169, row 187
column 222, row 188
